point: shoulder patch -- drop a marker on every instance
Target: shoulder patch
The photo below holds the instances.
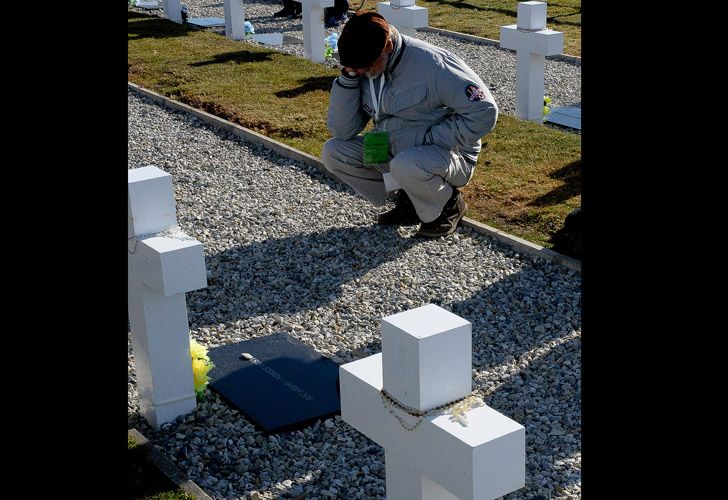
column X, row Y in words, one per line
column 474, row 93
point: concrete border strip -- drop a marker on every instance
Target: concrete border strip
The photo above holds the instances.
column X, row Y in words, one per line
column 514, row 242
column 575, row 60
column 167, row 467
column 238, row 130
column 523, row 246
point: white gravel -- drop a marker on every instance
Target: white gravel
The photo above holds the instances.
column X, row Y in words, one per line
column 496, row 67
column 288, row 250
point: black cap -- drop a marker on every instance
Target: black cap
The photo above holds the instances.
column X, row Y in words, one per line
column 362, row 40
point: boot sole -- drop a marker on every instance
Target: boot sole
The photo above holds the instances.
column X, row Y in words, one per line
column 452, row 230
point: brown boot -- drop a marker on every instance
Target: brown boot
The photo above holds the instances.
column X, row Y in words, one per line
column 403, row 212
column 448, row 220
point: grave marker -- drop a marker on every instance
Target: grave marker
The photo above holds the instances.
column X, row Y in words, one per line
column 172, row 10
column 147, row 4
column 567, row 116
column 207, row 22
column 426, row 362
column 278, row 382
column 404, row 15
column 234, row 19
column 313, row 28
column 163, row 264
column 532, row 42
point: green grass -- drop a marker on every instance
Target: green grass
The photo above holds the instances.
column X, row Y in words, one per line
column 528, row 177
column 485, row 17
column 145, row 480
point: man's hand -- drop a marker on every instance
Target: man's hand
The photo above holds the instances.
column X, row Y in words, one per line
column 347, row 71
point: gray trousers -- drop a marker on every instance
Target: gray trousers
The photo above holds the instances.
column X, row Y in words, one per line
column 426, row 173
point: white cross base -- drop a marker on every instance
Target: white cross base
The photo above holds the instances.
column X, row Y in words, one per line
column 172, row 10
column 422, row 349
column 234, row 19
column 313, row 28
column 532, row 42
column 405, row 17
column 163, row 264
column 149, row 5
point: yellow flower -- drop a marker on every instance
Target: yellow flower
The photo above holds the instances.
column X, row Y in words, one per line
column 201, row 365
column 197, row 350
column 199, row 370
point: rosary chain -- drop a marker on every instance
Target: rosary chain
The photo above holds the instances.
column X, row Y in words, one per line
column 390, row 402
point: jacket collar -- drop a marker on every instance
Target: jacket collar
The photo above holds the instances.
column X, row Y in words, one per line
column 397, row 50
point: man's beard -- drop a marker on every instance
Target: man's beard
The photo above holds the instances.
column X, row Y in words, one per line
column 374, row 75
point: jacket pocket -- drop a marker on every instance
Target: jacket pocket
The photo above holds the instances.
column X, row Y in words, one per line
column 408, row 98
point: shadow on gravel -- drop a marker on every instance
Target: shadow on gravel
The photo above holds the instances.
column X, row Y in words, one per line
column 497, row 340
column 287, row 275
column 490, row 312
column 551, row 384
column 256, row 149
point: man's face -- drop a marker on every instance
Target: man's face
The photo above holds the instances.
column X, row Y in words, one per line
column 377, row 67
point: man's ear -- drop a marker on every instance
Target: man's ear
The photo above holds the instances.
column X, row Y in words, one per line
column 389, row 46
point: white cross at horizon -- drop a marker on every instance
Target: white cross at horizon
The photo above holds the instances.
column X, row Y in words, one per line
column 313, row 28
column 234, row 19
column 532, row 43
column 172, row 10
column 404, row 15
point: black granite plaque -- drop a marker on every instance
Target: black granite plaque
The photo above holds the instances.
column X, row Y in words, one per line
column 280, row 384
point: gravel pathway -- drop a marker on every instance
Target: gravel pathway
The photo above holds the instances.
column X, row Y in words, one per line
column 496, row 67
column 288, row 250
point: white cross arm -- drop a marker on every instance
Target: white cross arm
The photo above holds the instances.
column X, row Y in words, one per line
column 171, row 265
column 544, row 42
column 406, row 17
column 484, row 460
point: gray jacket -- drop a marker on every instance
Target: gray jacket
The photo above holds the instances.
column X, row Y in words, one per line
column 430, row 96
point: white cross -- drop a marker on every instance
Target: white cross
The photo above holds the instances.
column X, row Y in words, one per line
column 149, row 5
column 172, row 10
column 162, row 267
column 532, row 42
column 425, row 362
column 313, row 28
column 234, row 19
column 404, row 15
